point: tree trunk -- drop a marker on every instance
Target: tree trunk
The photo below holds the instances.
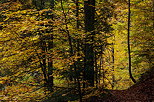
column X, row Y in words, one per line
column 89, row 11
column 50, row 47
column 129, row 50
column 77, row 66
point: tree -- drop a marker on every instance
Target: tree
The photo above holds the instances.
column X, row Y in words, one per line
column 46, row 43
column 50, row 47
column 142, row 33
column 89, row 11
column 129, row 50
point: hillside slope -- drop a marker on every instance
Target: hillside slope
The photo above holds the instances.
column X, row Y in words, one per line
column 142, row 91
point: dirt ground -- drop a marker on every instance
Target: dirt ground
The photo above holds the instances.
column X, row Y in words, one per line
column 142, row 91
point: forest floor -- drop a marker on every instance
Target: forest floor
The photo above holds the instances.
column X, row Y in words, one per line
column 142, row 91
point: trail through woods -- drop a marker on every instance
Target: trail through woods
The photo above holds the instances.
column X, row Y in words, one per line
column 141, row 92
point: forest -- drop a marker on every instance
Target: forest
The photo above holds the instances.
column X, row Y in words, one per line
column 76, row 51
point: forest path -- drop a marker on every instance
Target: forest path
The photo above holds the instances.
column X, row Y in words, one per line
column 140, row 92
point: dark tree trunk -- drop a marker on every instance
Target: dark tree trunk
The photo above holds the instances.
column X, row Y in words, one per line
column 71, row 51
column 89, row 11
column 43, row 58
column 113, row 69
column 46, row 46
column 96, row 69
column 50, row 47
column 50, row 62
column 129, row 50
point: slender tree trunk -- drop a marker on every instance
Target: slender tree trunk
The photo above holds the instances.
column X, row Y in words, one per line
column 43, row 46
column 50, row 61
column 102, row 67
column 77, row 67
column 71, row 48
column 50, row 47
column 113, row 58
column 69, row 40
column 43, row 58
column 113, row 77
column 46, row 46
column 96, row 69
column 129, row 50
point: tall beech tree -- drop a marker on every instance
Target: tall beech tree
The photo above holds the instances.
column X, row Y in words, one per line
column 128, row 40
